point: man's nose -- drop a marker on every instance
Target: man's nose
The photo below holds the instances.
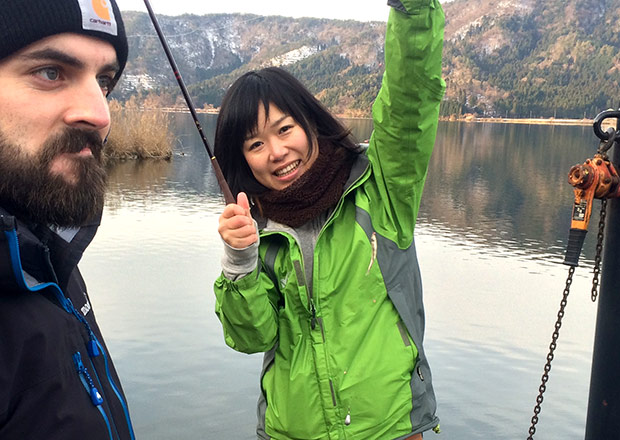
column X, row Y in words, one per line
column 88, row 107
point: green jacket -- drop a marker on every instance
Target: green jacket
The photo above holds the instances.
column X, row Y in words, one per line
column 344, row 358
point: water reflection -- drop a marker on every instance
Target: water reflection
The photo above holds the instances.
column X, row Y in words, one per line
column 135, row 182
column 505, row 185
column 360, row 128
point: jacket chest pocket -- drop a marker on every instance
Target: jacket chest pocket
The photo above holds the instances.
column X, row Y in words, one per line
column 288, row 277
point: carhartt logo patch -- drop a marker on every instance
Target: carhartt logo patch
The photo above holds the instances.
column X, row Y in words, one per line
column 97, row 15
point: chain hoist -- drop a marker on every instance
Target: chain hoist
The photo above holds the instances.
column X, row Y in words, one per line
column 596, row 178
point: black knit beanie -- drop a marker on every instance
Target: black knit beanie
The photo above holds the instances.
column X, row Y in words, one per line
column 23, row 22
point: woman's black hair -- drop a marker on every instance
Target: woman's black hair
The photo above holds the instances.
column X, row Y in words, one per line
column 238, row 118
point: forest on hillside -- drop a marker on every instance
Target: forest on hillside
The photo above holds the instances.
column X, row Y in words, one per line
column 502, row 58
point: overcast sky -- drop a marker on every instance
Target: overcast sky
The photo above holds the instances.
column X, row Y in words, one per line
column 362, row 10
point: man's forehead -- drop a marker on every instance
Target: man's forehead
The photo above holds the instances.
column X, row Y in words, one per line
column 85, row 48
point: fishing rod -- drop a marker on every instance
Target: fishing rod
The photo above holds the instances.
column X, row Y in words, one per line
column 221, row 180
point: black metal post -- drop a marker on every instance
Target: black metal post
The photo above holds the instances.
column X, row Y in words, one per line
column 603, row 421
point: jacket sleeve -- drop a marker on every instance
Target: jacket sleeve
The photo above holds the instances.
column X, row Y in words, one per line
column 405, row 115
column 247, row 309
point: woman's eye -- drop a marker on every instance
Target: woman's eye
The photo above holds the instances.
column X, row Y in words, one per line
column 285, row 128
column 48, row 73
column 254, row 145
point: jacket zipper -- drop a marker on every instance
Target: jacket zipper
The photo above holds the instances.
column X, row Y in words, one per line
column 95, row 396
column 91, row 389
column 96, row 349
column 313, row 318
column 114, row 388
column 313, row 312
column 313, row 321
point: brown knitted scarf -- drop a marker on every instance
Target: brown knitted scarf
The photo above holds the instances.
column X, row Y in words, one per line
column 317, row 190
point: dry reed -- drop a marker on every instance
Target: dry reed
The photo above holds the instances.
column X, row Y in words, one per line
column 138, row 134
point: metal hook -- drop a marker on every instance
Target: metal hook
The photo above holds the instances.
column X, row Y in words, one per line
column 605, row 145
column 598, row 120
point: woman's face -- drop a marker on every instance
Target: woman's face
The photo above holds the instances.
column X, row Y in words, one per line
column 278, row 152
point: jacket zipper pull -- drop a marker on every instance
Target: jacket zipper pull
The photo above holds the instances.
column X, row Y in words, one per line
column 347, row 419
column 93, row 348
column 95, row 396
column 313, row 319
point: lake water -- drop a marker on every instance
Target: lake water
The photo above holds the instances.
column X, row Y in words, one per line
column 491, row 235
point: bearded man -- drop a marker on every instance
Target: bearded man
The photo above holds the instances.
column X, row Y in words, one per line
column 59, row 60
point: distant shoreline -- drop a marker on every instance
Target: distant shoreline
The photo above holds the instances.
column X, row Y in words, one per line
column 531, row 121
column 466, row 118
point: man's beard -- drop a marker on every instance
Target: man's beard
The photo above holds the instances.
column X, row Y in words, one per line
column 29, row 190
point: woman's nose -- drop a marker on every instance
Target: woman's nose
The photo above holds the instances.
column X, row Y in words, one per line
column 277, row 151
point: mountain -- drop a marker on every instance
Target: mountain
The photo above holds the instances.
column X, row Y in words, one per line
column 520, row 58
column 340, row 61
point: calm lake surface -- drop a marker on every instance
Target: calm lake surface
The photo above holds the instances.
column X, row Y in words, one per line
column 491, row 234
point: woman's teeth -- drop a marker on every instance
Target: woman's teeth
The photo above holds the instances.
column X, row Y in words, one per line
column 289, row 169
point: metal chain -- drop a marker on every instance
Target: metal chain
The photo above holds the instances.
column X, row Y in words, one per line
column 599, row 249
column 552, row 347
column 603, row 147
column 558, row 323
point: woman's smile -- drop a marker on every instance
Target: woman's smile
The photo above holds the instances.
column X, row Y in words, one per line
column 288, row 169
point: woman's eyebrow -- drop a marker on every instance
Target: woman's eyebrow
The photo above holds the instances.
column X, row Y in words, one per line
column 278, row 121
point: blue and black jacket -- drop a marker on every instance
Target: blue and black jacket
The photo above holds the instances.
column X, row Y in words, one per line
column 57, row 380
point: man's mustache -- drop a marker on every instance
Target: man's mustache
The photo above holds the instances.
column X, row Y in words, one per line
column 73, row 140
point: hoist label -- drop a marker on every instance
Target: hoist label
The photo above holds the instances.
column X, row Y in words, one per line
column 579, row 210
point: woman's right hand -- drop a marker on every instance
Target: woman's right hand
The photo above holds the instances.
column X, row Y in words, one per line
column 237, row 227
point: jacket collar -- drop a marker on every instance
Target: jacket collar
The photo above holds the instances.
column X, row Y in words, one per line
column 50, row 254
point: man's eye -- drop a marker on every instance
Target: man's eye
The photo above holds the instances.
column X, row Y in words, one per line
column 49, row 73
column 106, row 82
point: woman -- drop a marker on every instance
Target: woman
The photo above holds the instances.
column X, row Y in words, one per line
column 331, row 290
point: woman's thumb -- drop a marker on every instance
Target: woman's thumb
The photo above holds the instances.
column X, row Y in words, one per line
column 242, row 200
